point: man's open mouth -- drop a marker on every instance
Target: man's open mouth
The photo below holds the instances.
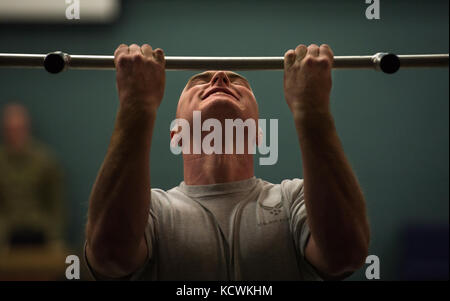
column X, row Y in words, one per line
column 219, row 91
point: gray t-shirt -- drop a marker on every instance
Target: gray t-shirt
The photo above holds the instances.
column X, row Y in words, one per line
column 245, row 230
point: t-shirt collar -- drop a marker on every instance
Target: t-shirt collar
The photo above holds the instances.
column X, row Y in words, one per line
column 216, row 189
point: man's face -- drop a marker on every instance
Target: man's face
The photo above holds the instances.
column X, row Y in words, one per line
column 218, row 94
column 15, row 126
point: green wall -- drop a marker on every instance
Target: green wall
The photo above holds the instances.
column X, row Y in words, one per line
column 394, row 128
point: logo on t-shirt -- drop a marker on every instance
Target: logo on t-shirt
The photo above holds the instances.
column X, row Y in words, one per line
column 271, row 214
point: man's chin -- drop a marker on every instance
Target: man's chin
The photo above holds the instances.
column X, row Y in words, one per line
column 221, row 108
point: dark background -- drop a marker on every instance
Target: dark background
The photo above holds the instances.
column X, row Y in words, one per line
column 394, row 128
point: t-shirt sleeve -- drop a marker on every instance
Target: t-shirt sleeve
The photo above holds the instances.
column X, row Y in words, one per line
column 149, row 239
column 294, row 202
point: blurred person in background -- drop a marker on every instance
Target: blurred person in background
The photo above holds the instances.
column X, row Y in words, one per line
column 31, row 202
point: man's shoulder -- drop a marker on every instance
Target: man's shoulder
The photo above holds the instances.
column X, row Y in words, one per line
column 172, row 197
column 165, row 192
column 288, row 188
column 285, row 184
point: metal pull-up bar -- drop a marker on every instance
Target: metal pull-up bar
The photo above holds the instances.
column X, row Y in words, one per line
column 58, row 61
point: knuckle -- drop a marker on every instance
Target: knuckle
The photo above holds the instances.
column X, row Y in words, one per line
column 150, row 61
column 152, row 65
column 309, row 60
column 324, row 62
column 136, row 57
column 321, row 62
column 122, row 59
column 295, row 67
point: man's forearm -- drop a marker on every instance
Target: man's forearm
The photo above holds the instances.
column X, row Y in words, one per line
column 334, row 201
column 120, row 198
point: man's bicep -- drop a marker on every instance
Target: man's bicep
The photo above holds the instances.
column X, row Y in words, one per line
column 101, row 270
column 312, row 255
column 137, row 262
column 314, row 258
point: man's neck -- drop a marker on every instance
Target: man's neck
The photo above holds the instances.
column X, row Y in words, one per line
column 17, row 147
column 212, row 169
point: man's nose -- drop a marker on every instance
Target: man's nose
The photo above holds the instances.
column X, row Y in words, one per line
column 220, row 79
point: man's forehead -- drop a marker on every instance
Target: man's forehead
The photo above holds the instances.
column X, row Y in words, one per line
column 211, row 73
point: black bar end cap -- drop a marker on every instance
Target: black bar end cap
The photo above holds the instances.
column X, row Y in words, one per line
column 55, row 62
column 389, row 63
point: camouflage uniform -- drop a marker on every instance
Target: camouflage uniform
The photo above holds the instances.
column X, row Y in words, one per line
column 30, row 192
